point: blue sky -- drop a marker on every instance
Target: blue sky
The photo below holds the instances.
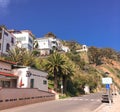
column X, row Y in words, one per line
column 90, row 22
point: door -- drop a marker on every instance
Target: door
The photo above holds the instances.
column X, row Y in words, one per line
column 32, row 83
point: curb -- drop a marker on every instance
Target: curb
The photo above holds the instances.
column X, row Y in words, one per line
column 99, row 108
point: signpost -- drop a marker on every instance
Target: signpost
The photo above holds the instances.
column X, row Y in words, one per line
column 107, row 81
column 107, row 86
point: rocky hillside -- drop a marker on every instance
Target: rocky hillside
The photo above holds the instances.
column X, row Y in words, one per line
column 95, row 63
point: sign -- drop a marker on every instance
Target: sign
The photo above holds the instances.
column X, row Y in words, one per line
column 108, row 86
column 107, row 80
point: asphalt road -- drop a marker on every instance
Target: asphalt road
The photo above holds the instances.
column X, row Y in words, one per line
column 86, row 103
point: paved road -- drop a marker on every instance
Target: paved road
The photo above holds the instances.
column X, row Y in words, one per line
column 86, row 103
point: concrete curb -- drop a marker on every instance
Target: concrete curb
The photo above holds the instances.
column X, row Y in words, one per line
column 99, row 108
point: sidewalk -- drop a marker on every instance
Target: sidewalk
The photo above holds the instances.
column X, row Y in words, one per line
column 114, row 107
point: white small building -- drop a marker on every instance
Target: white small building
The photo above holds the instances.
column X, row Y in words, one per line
column 31, row 78
column 21, row 77
column 25, row 38
column 7, row 41
column 84, row 49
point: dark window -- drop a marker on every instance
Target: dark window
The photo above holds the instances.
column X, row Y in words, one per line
column 30, row 40
column 44, row 82
column 12, row 40
column 7, row 47
column 5, row 33
column 6, row 84
column 0, row 35
column 0, row 46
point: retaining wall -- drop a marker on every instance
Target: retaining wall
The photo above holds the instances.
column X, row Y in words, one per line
column 10, row 97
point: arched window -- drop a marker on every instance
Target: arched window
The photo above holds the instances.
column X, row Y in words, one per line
column 7, row 47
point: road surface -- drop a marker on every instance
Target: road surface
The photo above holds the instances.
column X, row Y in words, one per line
column 86, row 103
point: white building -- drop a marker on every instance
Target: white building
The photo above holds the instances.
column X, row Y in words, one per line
column 7, row 41
column 84, row 49
column 24, row 77
column 25, row 38
column 31, row 78
column 46, row 45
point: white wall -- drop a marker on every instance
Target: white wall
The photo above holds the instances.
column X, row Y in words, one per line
column 24, row 37
column 37, row 75
column 47, row 43
column 21, row 73
column 6, row 39
column 44, row 44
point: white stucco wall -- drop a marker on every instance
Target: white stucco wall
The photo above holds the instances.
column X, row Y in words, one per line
column 6, row 39
column 24, row 37
column 48, row 43
column 37, row 75
column 44, row 43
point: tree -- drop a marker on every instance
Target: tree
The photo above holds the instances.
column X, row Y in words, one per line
column 94, row 55
column 109, row 53
column 67, row 73
column 54, row 64
column 21, row 56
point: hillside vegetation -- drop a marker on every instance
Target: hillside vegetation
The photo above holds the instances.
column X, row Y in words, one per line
column 73, row 70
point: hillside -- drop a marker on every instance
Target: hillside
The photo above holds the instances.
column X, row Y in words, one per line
column 113, row 68
column 70, row 72
column 94, row 64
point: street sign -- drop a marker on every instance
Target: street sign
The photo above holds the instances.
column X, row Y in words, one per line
column 107, row 80
column 107, row 86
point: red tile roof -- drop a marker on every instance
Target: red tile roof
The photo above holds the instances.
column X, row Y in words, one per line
column 7, row 74
column 10, row 62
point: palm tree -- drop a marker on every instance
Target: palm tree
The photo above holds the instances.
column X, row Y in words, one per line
column 21, row 56
column 15, row 55
column 28, row 58
column 67, row 73
column 54, row 63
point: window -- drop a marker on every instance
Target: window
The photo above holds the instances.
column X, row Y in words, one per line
column 0, row 46
column 6, row 84
column 21, row 38
column 12, row 40
column 54, row 42
column 7, row 47
column 5, row 33
column 44, row 82
column 0, row 35
column 30, row 40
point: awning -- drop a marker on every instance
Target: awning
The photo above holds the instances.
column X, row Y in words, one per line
column 7, row 74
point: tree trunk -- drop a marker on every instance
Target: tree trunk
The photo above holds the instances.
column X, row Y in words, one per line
column 64, row 84
column 55, row 79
